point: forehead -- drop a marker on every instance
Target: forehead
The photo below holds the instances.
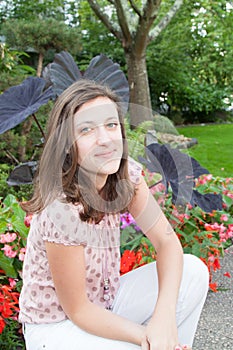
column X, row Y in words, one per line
column 96, row 110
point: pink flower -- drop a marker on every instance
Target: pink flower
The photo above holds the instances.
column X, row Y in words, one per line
column 12, row 282
column 209, row 177
column 8, row 237
column 127, row 220
column 8, row 251
column 224, row 217
column 22, row 254
column 27, row 220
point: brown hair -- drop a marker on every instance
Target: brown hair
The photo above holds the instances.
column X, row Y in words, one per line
column 59, row 175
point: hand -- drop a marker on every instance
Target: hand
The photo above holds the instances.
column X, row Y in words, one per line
column 161, row 334
column 146, row 346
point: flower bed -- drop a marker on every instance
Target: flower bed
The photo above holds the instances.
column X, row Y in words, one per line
column 205, row 235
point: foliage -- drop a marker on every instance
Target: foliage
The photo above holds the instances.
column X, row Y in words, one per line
column 12, row 249
column 30, row 9
column 136, row 137
column 201, row 234
column 63, row 72
column 21, row 101
column 12, row 238
column 198, row 43
column 179, row 171
column 17, row 103
column 21, row 192
column 11, row 338
column 41, row 35
column 96, row 38
column 205, row 235
column 12, row 68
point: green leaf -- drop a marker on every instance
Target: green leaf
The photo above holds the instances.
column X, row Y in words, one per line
column 19, row 226
column 3, row 225
column 228, row 200
column 10, row 200
column 6, row 264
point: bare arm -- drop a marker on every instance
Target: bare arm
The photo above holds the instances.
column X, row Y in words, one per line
column 156, row 227
column 67, row 265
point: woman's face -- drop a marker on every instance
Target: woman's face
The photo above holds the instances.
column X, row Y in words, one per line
column 99, row 138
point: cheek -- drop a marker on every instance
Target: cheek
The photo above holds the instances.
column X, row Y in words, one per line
column 85, row 148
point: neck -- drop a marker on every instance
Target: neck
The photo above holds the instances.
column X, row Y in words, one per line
column 98, row 180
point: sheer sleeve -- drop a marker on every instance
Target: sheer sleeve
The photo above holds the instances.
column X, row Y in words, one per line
column 135, row 171
column 61, row 224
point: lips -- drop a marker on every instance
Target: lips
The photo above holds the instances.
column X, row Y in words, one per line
column 105, row 154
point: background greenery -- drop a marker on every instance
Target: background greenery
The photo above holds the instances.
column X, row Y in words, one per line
column 190, row 64
column 214, row 150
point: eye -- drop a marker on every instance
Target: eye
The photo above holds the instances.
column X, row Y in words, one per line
column 85, row 130
column 112, row 125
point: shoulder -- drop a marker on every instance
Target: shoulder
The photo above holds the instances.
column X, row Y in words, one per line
column 62, row 223
column 135, row 171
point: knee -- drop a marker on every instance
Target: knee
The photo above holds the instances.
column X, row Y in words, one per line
column 197, row 272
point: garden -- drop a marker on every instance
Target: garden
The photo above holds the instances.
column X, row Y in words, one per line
column 203, row 234
column 202, row 218
column 184, row 145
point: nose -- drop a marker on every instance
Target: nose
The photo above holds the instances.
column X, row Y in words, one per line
column 102, row 135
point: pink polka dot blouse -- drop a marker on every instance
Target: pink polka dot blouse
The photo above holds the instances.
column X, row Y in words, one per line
column 59, row 222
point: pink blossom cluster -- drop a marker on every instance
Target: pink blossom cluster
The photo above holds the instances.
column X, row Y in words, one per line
column 9, row 250
column 225, row 232
column 8, row 237
column 204, row 179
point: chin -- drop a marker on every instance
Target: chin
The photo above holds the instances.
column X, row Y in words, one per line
column 110, row 167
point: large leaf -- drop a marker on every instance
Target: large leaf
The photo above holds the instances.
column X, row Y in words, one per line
column 22, row 174
column 178, row 171
column 6, row 264
column 63, row 72
column 21, row 101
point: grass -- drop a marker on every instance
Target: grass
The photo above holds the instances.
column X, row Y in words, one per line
column 214, row 150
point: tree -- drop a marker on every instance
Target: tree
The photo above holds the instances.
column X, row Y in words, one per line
column 41, row 35
column 135, row 24
column 30, row 9
column 198, row 44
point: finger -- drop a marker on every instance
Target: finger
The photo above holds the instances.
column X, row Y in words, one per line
column 145, row 345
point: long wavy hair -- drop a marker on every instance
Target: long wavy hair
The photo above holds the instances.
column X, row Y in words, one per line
column 59, row 175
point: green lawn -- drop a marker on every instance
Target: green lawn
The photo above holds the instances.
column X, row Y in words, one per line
column 214, row 150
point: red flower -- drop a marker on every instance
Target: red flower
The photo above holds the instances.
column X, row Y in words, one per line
column 127, row 261
column 213, row 287
column 8, row 305
column 227, row 274
column 2, row 324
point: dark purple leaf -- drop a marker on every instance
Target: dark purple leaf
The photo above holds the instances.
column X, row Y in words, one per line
column 104, row 71
column 178, row 171
column 63, row 72
column 19, row 102
column 208, row 201
column 22, row 174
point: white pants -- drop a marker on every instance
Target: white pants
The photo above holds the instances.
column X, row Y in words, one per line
column 135, row 300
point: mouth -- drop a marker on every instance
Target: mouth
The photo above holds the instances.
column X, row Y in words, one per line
column 106, row 154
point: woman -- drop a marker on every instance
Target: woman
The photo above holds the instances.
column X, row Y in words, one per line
column 72, row 295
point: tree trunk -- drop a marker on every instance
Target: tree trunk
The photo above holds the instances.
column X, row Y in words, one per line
column 140, row 102
column 40, row 64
